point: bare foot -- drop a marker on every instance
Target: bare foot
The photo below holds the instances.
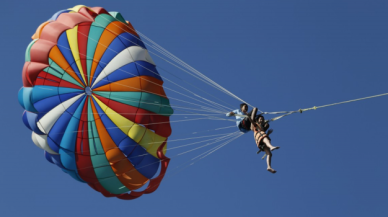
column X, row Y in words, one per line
column 274, row 148
column 271, row 170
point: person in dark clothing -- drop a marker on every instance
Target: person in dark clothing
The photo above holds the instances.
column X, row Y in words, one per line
column 243, row 123
column 262, row 139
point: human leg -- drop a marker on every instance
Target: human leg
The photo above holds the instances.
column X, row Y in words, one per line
column 269, row 158
column 267, row 142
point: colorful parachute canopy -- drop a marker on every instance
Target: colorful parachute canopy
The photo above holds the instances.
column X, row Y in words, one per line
column 94, row 102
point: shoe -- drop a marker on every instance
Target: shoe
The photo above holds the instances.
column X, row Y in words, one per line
column 271, row 170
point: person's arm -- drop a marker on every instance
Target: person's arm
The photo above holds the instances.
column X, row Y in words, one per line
column 229, row 114
column 266, row 126
column 255, row 130
column 232, row 113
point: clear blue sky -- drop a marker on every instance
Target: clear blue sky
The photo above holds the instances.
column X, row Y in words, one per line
column 276, row 55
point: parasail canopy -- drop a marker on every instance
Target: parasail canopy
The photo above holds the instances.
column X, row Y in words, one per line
column 95, row 103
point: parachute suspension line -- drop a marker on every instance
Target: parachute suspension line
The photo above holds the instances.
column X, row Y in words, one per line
column 323, row 106
column 150, row 81
column 226, row 135
column 182, row 63
column 198, row 137
column 188, row 102
column 204, row 108
column 220, row 146
column 209, row 116
column 184, row 120
column 193, row 143
column 212, row 83
column 143, row 66
column 215, row 105
column 218, row 139
column 168, row 55
column 157, row 85
column 141, row 78
column 230, row 136
column 176, row 76
column 175, row 147
column 205, row 131
column 221, row 107
column 165, row 70
column 230, row 139
column 188, row 72
column 218, row 118
column 194, row 119
column 126, row 113
column 210, row 105
column 206, row 153
column 150, row 103
column 169, row 88
column 200, row 106
column 209, row 110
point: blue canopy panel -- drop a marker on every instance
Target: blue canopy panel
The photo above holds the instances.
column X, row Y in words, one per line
column 67, row 157
column 40, row 92
column 48, row 157
column 53, row 158
column 68, row 142
column 146, row 68
column 24, row 98
column 58, row 130
column 134, row 69
column 126, row 71
column 131, row 40
column 45, row 98
column 47, row 104
column 127, row 146
column 115, row 47
column 30, row 120
column 144, row 162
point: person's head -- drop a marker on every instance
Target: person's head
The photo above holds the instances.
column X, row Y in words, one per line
column 260, row 118
column 244, row 107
